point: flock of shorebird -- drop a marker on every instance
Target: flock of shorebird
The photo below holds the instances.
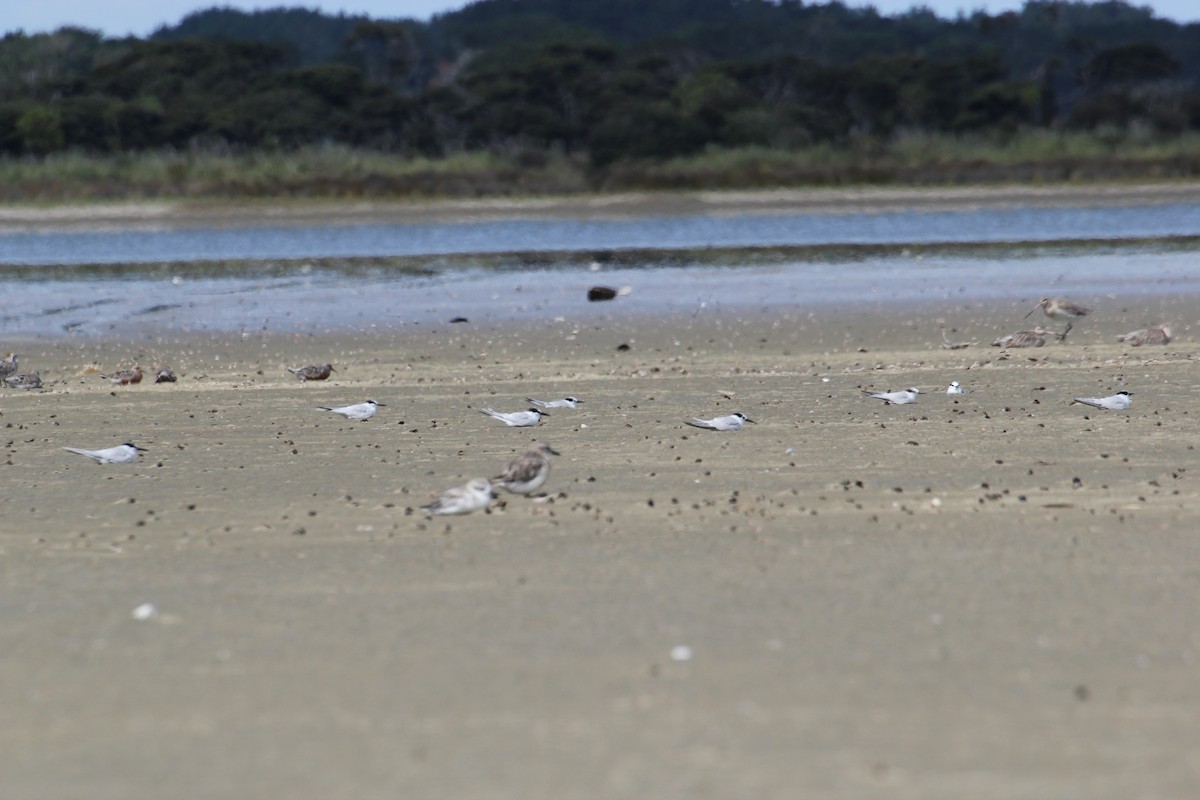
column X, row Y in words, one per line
column 527, row 473
column 1060, row 310
column 523, row 475
column 11, row 374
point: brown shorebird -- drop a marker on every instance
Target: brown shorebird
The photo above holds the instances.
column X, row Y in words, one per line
column 313, row 372
column 24, row 380
column 8, row 365
column 1033, row 338
column 1061, row 310
column 125, row 376
column 1158, row 334
column 526, row 473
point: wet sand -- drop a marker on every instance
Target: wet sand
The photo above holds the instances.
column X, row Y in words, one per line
column 205, row 214
column 988, row 596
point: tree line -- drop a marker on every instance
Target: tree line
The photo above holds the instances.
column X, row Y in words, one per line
column 612, row 81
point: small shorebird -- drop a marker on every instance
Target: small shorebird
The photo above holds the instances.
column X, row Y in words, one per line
column 8, row 365
column 358, row 411
column 313, row 372
column 734, row 422
column 949, row 345
column 955, row 388
column 516, row 419
column 474, row 495
column 121, row 454
column 125, row 377
column 24, row 380
column 526, row 473
column 1033, row 338
column 1061, row 310
column 566, row 402
column 165, row 375
column 1159, row 334
column 896, row 398
column 1116, row 402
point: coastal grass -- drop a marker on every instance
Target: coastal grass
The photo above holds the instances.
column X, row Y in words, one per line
column 340, row 172
column 1035, row 156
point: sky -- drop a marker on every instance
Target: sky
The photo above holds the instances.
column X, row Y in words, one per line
column 141, row 17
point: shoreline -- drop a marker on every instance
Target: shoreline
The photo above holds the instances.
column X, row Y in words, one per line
column 174, row 301
column 209, row 213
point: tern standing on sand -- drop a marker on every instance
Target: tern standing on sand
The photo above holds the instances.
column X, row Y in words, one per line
column 517, row 419
column 896, row 398
column 1115, row 402
column 121, row 454
column 734, row 422
column 566, row 402
column 358, row 412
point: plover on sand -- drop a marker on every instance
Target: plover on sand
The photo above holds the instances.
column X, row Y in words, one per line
column 526, row 473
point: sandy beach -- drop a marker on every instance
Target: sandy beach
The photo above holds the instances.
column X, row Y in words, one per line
column 984, row 596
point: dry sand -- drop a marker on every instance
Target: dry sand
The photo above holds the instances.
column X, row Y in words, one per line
column 989, row 596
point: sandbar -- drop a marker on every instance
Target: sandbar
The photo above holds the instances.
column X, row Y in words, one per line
column 989, row 596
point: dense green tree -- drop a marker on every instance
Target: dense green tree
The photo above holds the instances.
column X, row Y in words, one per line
column 620, row 79
column 388, row 52
column 89, row 122
column 1130, row 63
column 544, row 95
column 301, row 36
column 40, row 130
column 644, row 130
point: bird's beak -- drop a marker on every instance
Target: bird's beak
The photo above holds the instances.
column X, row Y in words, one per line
column 1035, row 308
column 552, row 451
column 750, row 420
column 140, row 449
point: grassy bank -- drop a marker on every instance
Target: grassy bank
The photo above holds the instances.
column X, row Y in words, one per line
column 339, row 172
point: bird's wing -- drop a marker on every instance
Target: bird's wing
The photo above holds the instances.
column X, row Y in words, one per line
column 521, row 470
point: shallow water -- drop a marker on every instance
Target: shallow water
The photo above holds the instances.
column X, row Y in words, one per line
column 355, row 277
column 692, row 231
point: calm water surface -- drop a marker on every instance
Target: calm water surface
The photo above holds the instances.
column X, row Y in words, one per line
column 344, row 241
column 276, row 280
